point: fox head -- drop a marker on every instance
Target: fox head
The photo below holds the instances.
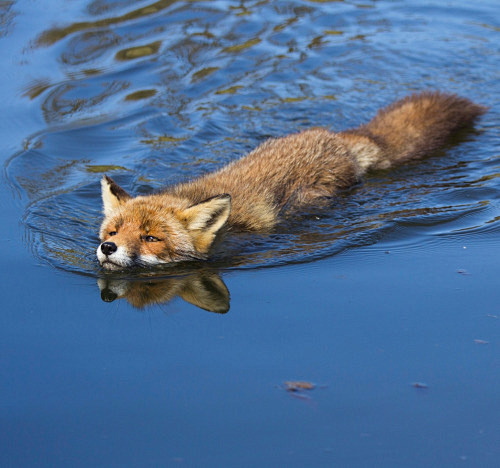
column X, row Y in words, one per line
column 156, row 229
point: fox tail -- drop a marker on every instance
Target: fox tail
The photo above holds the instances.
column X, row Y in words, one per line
column 410, row 128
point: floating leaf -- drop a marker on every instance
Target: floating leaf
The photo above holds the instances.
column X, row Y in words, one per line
column 419, row 385
column 298, row 385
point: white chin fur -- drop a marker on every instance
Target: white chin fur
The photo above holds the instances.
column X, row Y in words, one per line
column 151, row 260
column 117, row 287
column 111, row 266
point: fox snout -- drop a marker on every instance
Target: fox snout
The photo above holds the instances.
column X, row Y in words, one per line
column 108, row 248
column 109, row 261
column 110, row 257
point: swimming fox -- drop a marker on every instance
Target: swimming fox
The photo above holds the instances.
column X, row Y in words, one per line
column 289, row 173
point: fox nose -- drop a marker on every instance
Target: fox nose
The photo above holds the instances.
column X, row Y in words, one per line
column 107, row 248
column 107, row 295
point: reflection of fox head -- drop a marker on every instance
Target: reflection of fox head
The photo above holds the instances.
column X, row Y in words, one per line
column 155, row 229
column 204, row 289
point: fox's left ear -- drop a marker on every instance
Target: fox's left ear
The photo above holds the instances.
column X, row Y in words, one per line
column 112, row 195
column 207, row 291
column 204, row 220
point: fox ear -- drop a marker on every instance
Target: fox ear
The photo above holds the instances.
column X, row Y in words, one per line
column 112, row 195
column 204, row 220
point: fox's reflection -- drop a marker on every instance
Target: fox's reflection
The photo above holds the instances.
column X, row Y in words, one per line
column 202, row 289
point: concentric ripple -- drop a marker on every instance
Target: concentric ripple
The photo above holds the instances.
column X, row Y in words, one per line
column 162, row 92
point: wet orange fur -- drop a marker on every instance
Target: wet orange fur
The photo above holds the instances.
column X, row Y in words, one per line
column 281, row 174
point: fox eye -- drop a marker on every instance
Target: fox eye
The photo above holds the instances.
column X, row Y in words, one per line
column 151, row 239
column 112, row 233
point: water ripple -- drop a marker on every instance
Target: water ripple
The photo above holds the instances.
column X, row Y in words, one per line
column 159, row 92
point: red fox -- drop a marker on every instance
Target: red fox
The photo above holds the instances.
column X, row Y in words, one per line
column 182, row 221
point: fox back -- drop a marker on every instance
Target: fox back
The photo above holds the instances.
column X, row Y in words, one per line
column 289, row 173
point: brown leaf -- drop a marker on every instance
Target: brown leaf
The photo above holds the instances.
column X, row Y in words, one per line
column 298, row 385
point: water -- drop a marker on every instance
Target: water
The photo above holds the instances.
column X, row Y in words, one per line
column 394, row 284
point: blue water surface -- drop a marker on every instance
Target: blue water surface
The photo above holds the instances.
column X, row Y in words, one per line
column 386, row 302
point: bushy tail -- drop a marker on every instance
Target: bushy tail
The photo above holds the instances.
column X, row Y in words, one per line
column 411, row 128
